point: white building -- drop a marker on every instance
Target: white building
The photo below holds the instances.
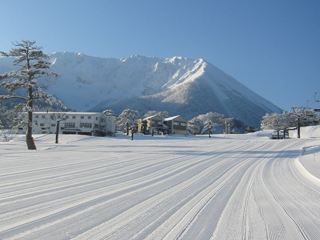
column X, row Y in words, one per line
column 85, row 123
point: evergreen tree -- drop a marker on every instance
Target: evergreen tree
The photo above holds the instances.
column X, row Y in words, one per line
column 128, row 118
column 208, row 128
column 33, row 65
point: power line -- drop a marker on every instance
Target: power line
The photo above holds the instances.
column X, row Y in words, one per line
column 313, row 99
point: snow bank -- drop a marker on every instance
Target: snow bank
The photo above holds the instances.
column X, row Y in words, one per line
column 309, row 169
column 309, row 161
column 306, row 132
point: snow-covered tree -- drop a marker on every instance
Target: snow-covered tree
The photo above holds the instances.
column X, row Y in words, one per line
column 33, row 65
column 285, row 120
column 127, row 117
column 228, row 122
column 219, row 122
column 208, row 127
column 195, row 125
column 108, row 112
column 163, row 114
column 279, row 121
column 270, row 120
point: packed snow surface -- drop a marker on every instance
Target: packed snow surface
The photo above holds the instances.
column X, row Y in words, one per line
column 161, row 187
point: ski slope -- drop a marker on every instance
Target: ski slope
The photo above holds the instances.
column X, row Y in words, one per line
column 162, row 187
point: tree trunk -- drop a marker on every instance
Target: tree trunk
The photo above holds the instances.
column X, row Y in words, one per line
column 29, row 139
column 57, row 131
column 298, row 128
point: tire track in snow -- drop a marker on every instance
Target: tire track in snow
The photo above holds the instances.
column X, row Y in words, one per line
column 179, row 170
column 239, row 211
column 303, row 212
column 205, row 232
column 169, row 197
column 125, row 219
column 201, row 188
column 277, row 222
column 300, row 229
column 64, row 212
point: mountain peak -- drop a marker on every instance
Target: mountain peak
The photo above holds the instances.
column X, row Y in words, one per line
column 179, row 85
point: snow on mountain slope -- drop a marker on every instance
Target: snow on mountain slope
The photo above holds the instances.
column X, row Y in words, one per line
column 178, row 85
column 110, row 79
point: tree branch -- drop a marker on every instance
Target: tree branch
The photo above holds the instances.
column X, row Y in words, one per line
column 4, row 97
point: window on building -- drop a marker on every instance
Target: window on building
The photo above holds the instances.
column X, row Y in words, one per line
column 43, row 116
column 67, row 117
column 73, row 117
column 176, row 123
column 82, row 117
column 183, row 124
column 85, row 125
column 89, row 117
column 179, row 132
column 37, row 116
column 53, row 125
column 41, row 124
column 69, row 125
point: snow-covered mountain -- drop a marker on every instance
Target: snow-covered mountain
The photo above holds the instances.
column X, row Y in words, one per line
column 178, row 85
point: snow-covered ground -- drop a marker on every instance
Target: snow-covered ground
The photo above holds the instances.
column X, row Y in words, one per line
column 162, row 187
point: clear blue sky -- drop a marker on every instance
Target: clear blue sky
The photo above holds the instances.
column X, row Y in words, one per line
column 271, row 46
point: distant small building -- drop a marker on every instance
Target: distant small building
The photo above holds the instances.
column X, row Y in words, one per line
column 83, row 123
column 152, row 124
column 176, row 124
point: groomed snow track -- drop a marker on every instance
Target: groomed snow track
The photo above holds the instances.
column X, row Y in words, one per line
column 224, row 187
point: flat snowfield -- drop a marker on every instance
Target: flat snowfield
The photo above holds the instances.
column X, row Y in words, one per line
column 162, row 187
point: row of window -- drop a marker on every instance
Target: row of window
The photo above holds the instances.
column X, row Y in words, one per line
column 181, row 124
column 73, row 125
column 180, row 132
column 175, row 123
column 85, row 125
column 82, row 125
column 52, row 125
column 70, row 117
